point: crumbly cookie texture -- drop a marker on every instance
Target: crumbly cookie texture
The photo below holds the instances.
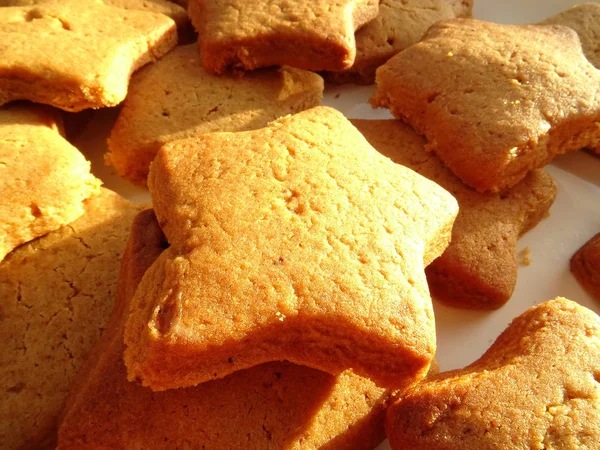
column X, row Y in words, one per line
column 44, row 180
column 295, row 242
column 177, row 98
column 537, row 387
column 166, row 7
column 271, row 406
column 311, row 34
column 84, row 55
column 479, row 267
column 495, row 101
column 399, row 24
column 56, row 294
column 585, row 266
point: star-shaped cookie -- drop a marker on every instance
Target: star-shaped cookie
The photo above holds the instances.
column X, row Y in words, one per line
column 537, row 387
column 84, row 51
column 295, row 242
column 177, row 98
column 479, row 267
column 309, row 34
column 399, row 24
column 274, row 405
column 495, row 101
column 44, row 180
column 56, row 295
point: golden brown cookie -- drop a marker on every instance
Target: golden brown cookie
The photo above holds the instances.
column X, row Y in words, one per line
column 166, row 7
column 537, row 387
column 177, row 98
column 84, row 51
column 585, row 20
column 56, row 294
column 479, row 267
column 585, row 266
column 311, row 34
column 295, row 242
column 495, row 101
column 399, row 24
column 44, row 180
column 272, row 406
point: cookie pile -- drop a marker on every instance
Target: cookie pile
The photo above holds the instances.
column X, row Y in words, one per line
column 276, row 292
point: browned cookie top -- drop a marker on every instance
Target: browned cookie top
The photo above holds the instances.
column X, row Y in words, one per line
column 309, row 34
column 537, row 387
column 297, row 241
column 495, row 101
column 585, row 265
column 84, row 51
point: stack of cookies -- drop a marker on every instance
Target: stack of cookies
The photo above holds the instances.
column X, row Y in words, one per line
column 276, row 291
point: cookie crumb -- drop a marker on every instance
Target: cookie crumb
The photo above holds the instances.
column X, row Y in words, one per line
column 524, row 258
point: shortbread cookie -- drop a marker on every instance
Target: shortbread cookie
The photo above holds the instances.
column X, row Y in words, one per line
column 537, row 387
column 585, row 20
column 56, row 295
column 479, row 267
column 295, row 242
column 168, row 8
column 400, row 24
column 177, row 98
column 311, row 34
column 44, row 180
column 84, row 51
column 272, row 406
column 495, row 101
column 585, row 265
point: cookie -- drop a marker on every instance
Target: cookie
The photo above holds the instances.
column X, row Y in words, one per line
column 479, row 267
column 177, row 98
column 399, row 24
column 272, row 406
column 585, row 20
column 585, row 266
column 168, row 8
column 313, row 34
column 44, row 180
column 84, row 55
column 56, row 295
column 294, row 242
column 495, row 101
column 537, row 387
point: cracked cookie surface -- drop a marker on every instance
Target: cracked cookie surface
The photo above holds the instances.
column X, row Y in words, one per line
column 56, row 295
column 85, row 51
column 271, row 406
column 44, row 180
column 177, row 98
column 537, row 387
column 295, row 242
column 495, row 101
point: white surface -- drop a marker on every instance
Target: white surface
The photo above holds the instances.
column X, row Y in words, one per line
column 575, row 217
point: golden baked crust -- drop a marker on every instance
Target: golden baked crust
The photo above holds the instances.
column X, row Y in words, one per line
column 311, row 34
column 272, row 406
column 56, row 294
column 479, row 267
column 399, row 24
column 295, row 242
column 84, row 55
column 44, row 180
column 495, row 101
column 537, row 387
column 585, row 266
column 177, row 98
